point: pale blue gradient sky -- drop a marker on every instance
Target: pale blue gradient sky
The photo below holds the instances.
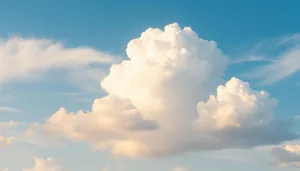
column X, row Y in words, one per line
column 108, row 26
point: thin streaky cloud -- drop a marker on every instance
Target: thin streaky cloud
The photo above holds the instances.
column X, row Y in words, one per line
column 23, row 59
column 289, row 39
column 251, row 59
column 282, row 55
column 8, row 109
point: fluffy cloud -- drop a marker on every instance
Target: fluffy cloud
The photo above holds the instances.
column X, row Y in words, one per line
column 111, row 116
column 167, row 99
column 41, row 164
column 236, row 105
column 287, row 156
column 21, row 59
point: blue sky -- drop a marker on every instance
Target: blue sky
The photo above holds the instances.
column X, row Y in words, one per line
column 260, row 39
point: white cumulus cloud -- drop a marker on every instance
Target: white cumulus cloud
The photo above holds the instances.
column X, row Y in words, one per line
column 168, row 98
column 236, row 105
column 110, row 116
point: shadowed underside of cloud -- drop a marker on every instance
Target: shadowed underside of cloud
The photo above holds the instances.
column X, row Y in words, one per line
column 288, row 156
column 168, row 98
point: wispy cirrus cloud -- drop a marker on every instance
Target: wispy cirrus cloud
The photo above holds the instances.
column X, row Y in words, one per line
column 23, row 59
column 297, row 117
column 251, row 59
column 8, row 109
column 282, row 55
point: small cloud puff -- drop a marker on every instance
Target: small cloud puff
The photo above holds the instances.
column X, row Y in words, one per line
column 180, row 169
column 168, row 98
column 44, row 164
column 4, row 141
column 10, row 124
column 110, row 168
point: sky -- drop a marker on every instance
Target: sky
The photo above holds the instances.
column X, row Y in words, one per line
column 149, row 85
